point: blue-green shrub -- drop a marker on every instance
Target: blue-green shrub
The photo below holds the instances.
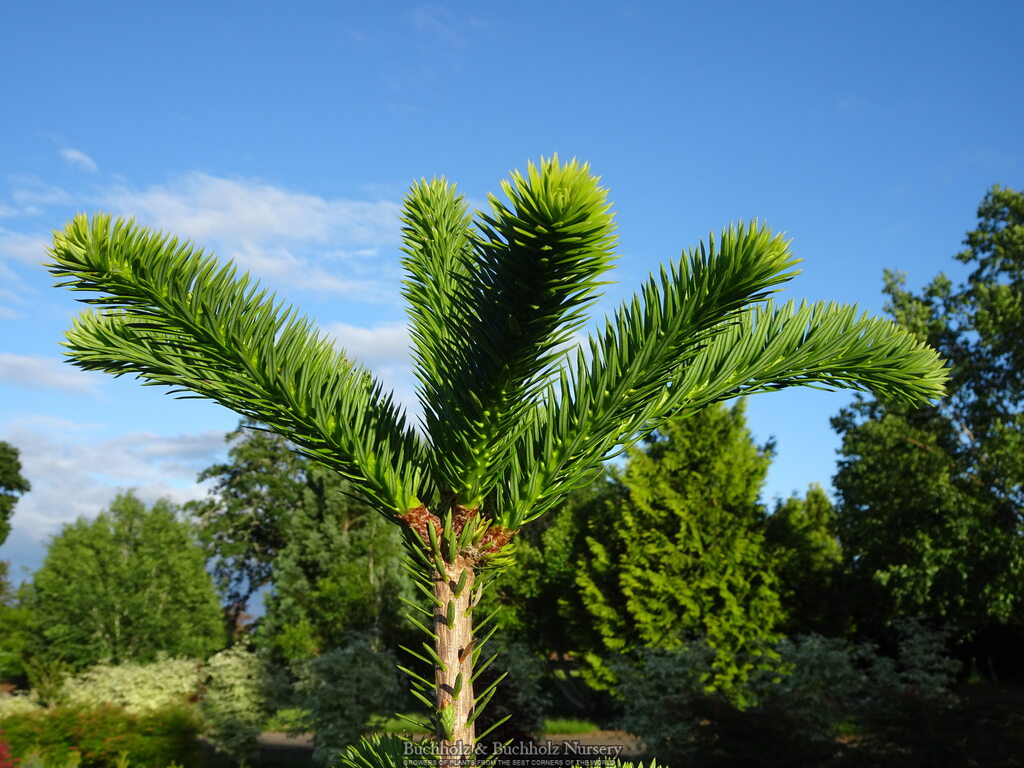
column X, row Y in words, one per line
column 342, row 688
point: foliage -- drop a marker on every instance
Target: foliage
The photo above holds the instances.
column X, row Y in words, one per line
column 16, row 703
column 234, row 703
column 16, row 620
column 513, row 423
column 682, row 556
column 178, row 320
column 931, row 499
column 139, row 688
column 102, row 734
column 242, row 524
column 803, row 539
column 342, row 688
column 339, row 572
column 47, row 676
column 789, row 713
column 375, row 751
column 11, row 485
column 124, row 587
column 516, row 711
column 6, row 760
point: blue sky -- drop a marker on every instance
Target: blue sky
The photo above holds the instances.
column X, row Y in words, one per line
column 284, row 136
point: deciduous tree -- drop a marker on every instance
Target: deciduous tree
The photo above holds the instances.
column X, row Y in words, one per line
column 12, row 485
column 124, row 587
column 932, row 498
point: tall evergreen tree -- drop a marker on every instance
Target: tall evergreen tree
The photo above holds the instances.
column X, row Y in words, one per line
column 681, row 557
column 340, row 571
column 123, row 587
column 512, row 423
column 803, row 537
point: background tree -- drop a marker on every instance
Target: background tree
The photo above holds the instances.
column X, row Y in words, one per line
column 12, row 484
column 330, row 564
column 803, row 538
column 679, row 556
column 510, row 425
column 14, row 616
column 16, row 620
column 123, row 587
column 242, row 523
column 340, row 572
column 931, row 498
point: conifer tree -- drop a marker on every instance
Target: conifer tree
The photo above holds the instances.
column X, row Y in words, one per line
column 679, row 556
column 802, row 535
column 511, row 421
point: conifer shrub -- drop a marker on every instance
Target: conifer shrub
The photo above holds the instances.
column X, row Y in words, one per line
column 342, row 688
column 803, row 707
column 234, row 703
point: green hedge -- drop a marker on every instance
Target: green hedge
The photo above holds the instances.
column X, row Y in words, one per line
column 100, row 734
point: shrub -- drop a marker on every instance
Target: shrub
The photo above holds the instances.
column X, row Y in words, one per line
column 793, row 708
column 100, row 735
column 665, row 695
column 13, row 704
column 6, row 760
column 138, row 688
column 342, row 688
column 519, row 696
column 234, row 703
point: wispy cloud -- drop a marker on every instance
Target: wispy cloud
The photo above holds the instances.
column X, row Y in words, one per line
column 78, row 159
column 74, row 474
column 17, row 251
column 275, row 232
column 384, row 349
column 46, row 373
column 381, row 345
column 22, row 249
column 850, row 104
column 439, row 22
column 31, row 195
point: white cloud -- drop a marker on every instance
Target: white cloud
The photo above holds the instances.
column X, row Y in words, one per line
column 75, row 474
column 384, row 349
column 274, row 232
column 45, row 373
column 23, row 249
column 381, row 345
column 78, row 159
column 30, row 193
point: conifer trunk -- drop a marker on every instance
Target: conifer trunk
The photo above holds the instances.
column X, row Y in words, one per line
column 453, row 628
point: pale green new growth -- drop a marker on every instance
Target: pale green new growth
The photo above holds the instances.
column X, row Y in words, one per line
column 511, row 421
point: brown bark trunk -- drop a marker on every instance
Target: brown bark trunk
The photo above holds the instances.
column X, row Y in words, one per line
column 453, row 625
